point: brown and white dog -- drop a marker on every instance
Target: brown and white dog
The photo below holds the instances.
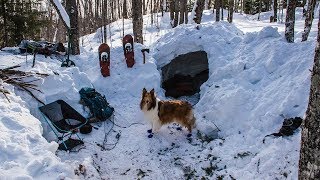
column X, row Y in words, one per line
column 160, row 112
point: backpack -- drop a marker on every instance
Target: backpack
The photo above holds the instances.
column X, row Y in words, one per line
column 98, row 105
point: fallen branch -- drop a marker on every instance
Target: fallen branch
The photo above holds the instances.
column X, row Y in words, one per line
column 17, row 78
column 5, row 92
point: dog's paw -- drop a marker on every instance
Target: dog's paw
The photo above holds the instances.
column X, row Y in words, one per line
column 149, row 131
column 179, row 128
column 150, row 135
column 189, row 135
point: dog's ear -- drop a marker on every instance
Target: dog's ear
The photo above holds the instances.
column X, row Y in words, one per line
column 144, row 91
column 152, row 91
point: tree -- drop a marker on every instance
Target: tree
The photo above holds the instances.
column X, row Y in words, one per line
column 309, row 19
column 20, row 19
column 183, row 13
column 137, row 20
column 275, row 13
column 72, row 10
column 309, row 163
column 198, row 11
column 230, row 11
column 218, row 7
column 176, row 13
column 290, row 19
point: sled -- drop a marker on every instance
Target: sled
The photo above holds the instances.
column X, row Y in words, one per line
column 104, row 59
column 127, row 43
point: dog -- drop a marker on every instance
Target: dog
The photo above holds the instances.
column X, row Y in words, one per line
column 160, row 112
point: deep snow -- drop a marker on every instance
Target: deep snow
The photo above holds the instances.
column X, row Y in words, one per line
column 256, row 79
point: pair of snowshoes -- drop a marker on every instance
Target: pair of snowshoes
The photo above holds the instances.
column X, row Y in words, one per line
column 104, row 55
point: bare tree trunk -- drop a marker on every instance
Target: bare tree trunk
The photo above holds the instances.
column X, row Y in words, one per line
column 137, row 21
column 172, row 9
column 230, row 11
column 176, row 13
column 151, row 10
column 183, row 4
column 275, row 8
column 309, row 19
column 309, row 163
column 290, row 20
column 124, row 10
column 5, row 33
column 186, row 12
column 221, row 7
column 198, row 11
column 218, row 7
column 260, row 6
column 72, row 11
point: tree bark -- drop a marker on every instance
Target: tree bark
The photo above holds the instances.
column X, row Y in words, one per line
column 176, row 13
column 124, row 10
column 275, row 8
column 72, row 11
column 218, row 7
column 172, row 9
column 230, row 11
column 309, row 19
column 183, row 8
column 137, row 20
column 221, row 7
column 198, row 11
column 186, row 12
column 5, row 33
column 290, row 20
column 309, row 163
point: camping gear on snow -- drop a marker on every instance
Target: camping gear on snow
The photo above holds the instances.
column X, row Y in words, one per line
column 104, row 59
column 289, row 125
column 42, row 47
column 63, row 119
column 127, row 43
column 143, row 53
column 99, row 107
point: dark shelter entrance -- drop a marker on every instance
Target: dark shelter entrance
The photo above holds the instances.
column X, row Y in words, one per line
column 184, row 75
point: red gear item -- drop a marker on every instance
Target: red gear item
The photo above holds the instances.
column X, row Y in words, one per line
column 104, row 59
column 127, row 43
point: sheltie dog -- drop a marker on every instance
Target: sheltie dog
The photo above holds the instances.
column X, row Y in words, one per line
column 160, row 112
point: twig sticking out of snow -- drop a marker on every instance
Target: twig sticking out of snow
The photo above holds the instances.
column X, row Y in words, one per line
column 17, row 79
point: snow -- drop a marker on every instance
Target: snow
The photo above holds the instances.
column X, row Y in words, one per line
column 64, row 14
column 255, row 79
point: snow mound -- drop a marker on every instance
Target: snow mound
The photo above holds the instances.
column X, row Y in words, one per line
column 25, row 154
column 214, row 39
column 254, row 81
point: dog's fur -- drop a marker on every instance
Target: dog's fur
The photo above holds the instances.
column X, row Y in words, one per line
column 160, row 112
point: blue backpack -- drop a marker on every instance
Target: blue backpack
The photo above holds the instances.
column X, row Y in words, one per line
column 98, row 105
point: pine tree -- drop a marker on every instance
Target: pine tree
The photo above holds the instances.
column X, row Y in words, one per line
column 309, row 163
column 290, row 20
column 20, row 19
column 137, row 20
column 309, row 19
